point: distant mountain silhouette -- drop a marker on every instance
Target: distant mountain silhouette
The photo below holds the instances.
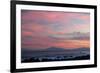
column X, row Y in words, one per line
column 50, row 49
column 54, row 49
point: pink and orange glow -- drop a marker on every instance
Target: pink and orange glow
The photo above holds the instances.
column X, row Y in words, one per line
column 44, row 29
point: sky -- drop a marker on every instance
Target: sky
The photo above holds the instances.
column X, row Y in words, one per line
column 44, row 29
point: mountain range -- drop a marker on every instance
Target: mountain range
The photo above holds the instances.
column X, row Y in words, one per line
column 55, row 49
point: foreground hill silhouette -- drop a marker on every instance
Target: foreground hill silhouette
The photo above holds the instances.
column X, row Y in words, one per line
column 55, row 54
column 33, row 59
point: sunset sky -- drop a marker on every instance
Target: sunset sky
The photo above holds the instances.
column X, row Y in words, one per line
column 44, row 29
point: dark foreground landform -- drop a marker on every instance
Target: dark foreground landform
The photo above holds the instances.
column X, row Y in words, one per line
column 55, row 54
column 33, row 59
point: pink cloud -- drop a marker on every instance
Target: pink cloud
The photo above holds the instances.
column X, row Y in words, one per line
column 35, row 35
